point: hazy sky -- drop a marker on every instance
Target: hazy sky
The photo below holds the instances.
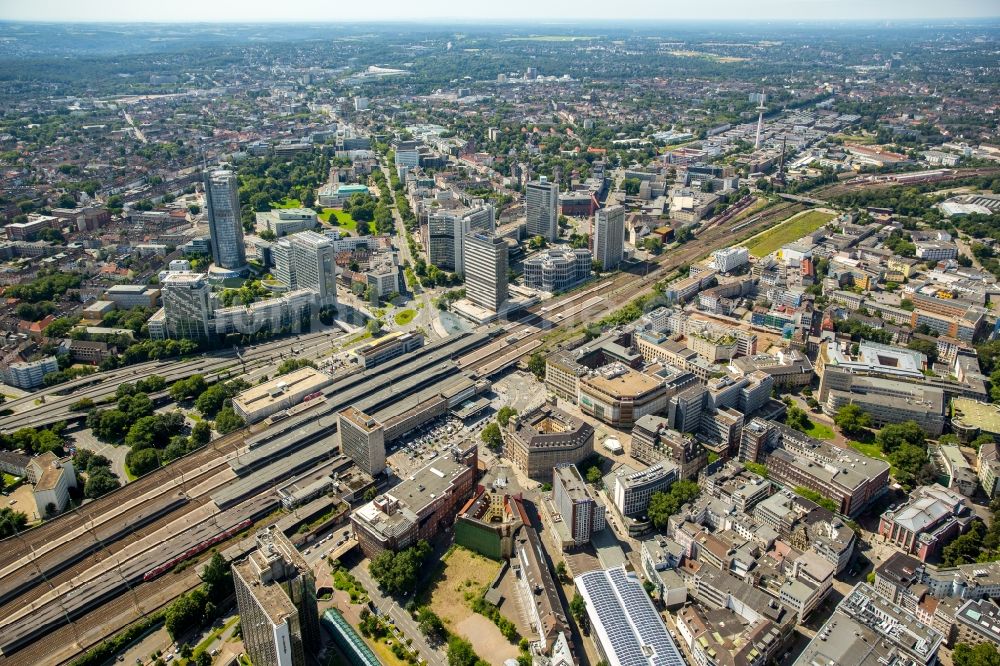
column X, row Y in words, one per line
column 429, row 10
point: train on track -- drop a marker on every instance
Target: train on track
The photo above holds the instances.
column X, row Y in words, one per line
column 195, row 550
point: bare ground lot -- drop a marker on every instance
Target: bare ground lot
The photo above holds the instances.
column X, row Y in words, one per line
column 467, row 573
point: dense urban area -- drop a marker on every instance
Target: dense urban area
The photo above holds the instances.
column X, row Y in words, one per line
column 500, row 345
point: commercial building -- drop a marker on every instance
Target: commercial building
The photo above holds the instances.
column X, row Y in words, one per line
column 633, row 488
column 869, row 630
column 388, row 346
column 977, row 622
column 905, row 580
column 421, row 506
column 989, row 469
column 315, row 265
column 539, row 440
column 276, row 597
column 222, row 201
column 539, row 595
column 653, row 441
column 619, row 395
column 29, row 375
column 52, row 478
column 287, row 221
column 723, row 637
column 730, row 258
column 557, row 269
column 626, row 627
column 542, row 209
column 284, row 313
column 128, row 296
column 932, row 518
column 446, row 231
column 609, row 236
column 260, row 401
column 187, row 306
column 850, row 479
column 486, row 270
column 579, row 510
column 362, row 439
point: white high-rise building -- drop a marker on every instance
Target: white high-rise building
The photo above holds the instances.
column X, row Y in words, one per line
column 486, row 270
column 542, row 208
column 730, row 258
column 222, row 201
column 609, row 236
column 187, row 305
column 284, row 267
column 315, row 265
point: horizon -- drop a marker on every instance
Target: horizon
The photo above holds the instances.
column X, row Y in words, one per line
column 514, row 11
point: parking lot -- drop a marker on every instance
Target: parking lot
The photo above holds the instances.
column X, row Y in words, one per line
column 424, row 444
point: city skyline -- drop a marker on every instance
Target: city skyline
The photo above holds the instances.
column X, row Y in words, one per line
column 554, row 13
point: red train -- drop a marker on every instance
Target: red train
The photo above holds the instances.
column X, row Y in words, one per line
column 195, row 550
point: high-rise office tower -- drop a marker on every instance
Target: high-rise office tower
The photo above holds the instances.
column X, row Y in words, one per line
column 542, row 208
column 276, row 597
column 187, row 305
column 315, row 265
column 284, row 265
column 609, row 236
column 486, row 270
column 222, row 201
column 446, row 231
column 362, row 439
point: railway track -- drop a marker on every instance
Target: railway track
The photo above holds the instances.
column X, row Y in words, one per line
column 55, row 406
column 618, row 291
column 94, row 625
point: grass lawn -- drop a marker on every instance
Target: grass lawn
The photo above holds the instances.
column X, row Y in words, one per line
column 755, row 207
column 343, row 580
column 287, row 202
column 871, row 450
column 10, row 481
column 788, row 231
column 341, row 220
column 404, row 317
column 820, row 431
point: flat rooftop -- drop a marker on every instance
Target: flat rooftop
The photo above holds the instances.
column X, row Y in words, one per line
column 277, row 390
column 976, row 414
